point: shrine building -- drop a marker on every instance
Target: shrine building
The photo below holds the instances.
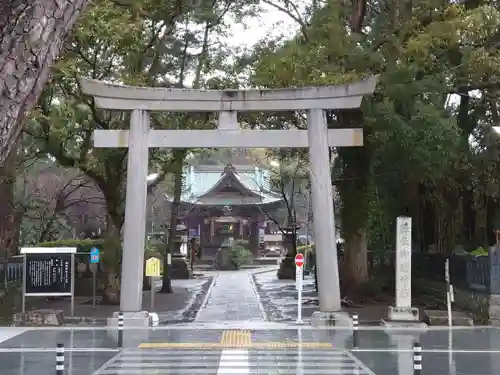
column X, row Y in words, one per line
column 215, row 197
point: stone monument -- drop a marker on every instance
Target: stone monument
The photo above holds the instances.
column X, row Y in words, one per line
column 179, row 268
column 403, row 312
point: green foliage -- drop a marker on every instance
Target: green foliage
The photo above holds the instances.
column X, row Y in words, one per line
column 239, row 255
column 480, row 252
column 416, row 153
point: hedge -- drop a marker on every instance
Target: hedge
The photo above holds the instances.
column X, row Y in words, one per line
column 82, row 246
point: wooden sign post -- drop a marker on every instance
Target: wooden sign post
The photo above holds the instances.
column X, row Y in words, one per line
column 153, row 270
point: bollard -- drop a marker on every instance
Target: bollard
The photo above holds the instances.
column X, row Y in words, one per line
column 120, row 330
column 417, row 359
column 355, row 332
column 60, row 359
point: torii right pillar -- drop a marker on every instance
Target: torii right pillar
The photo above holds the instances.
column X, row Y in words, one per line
column 324, row 223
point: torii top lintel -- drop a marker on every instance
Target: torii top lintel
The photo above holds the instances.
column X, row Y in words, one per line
column 121, row 97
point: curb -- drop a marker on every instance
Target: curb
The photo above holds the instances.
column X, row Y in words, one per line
column 256, row 292
column 207, row 297
column 265, row 271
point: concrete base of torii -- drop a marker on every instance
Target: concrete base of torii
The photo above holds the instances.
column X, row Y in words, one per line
column 328, row 319
column 139, row 320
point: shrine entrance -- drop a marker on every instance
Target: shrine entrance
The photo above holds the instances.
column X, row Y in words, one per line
column 227, row 103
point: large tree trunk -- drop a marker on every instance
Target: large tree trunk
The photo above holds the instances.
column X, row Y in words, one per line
column 355, row 259
column 10, row 216
column 179, row 156
column 111, row 264
column 354, row 188
column 32, row 33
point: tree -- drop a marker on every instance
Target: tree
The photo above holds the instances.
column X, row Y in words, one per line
column 412, row 155
column 55, row 201
column 290, row 182
column 147, row 44
column 32, row 34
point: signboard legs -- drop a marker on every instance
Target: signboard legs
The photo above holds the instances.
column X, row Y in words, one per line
column 23, row 309
column 153, row 292
column 94, row 283
column 72, row 284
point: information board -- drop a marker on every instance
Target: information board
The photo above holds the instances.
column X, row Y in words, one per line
column 48, row 274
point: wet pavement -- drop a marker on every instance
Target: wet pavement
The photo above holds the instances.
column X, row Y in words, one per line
column 233, row 297
column 281, row 350
column 231, row 336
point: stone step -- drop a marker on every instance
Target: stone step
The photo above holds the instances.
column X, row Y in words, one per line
column 440, row 318
column 263, row 261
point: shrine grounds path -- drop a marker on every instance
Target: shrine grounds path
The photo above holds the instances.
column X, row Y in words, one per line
column 231, row 335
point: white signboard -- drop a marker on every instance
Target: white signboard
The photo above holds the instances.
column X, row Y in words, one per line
column 403, row 262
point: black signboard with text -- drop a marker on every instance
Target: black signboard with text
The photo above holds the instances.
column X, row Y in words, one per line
column 48, row 274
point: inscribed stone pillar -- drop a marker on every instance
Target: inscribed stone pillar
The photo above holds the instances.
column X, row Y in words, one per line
column 403, row 310
column 324, row 221
column 135, row 214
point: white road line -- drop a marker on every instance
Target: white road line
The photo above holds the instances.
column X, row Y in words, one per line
column 6, row 334
column 359, row 363
column 53, row 350
column 106, row 364
column 233, row 361
column 487, row 351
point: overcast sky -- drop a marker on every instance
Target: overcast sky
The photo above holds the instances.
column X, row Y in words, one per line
column 272, row 21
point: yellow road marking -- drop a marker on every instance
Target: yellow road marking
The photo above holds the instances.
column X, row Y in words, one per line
column 253, row 345
column 235, row 338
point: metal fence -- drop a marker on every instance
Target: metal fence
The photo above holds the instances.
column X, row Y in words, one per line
column 11, row 270
column 466, row 271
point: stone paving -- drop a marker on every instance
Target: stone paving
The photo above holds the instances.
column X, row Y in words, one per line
column 233, row 297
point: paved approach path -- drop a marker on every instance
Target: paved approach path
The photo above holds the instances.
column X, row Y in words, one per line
column 232, row 297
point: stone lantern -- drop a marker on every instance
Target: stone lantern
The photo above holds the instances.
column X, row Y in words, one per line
column 222, row 260
column 179, row 269
column 287, row 265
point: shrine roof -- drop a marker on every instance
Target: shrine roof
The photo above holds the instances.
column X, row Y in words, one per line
column 200, row 181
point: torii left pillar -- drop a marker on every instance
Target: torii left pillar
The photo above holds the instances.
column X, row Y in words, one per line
column 134, row 239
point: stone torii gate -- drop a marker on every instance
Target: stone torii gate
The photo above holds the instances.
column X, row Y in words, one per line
column 227, row 103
